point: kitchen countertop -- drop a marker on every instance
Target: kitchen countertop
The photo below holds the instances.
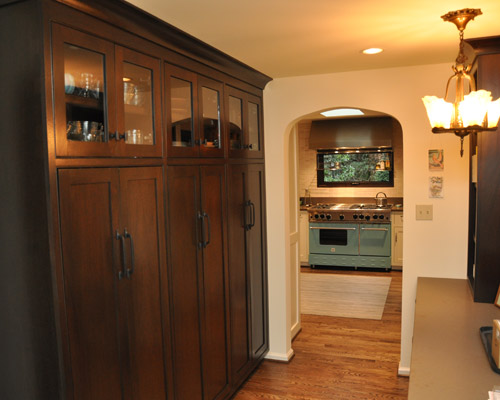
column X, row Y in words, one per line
column 448, row 360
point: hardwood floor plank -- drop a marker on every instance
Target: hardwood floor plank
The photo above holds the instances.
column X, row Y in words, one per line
column 338, row 358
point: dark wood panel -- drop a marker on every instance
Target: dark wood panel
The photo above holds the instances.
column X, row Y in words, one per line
column 89, row 219
column 184, row 261
column 28, row 336
column 239, row 295
column 142, row 216
column 484, row 212
column 215, row 328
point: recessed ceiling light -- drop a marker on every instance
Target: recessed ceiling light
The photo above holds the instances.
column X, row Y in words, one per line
column 372, row 50
column 342, row 112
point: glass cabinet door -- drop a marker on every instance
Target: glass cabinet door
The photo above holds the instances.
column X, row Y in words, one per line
column 211, row 135
column 181, row 104
column 253, row 126
column 245, row 124
column 82, row 66
column 138, row 104
column 235, row 111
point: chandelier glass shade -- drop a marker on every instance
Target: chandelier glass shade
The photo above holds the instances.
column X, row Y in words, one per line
column 468, row 113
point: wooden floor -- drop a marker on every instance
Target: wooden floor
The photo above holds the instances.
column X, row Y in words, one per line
column 338, row 358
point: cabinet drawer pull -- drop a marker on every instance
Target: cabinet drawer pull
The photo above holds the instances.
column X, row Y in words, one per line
column 130, row 271
column 121, row 272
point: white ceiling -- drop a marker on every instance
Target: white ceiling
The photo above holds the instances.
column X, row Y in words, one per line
column 283, row 38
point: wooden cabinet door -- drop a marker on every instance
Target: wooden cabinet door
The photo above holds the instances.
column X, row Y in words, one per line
column 244, row 120
column 215, row 337
column 247, row 267
column 138, row 104
column 212, row 130
column 112, row 240
column 141, row 217
column 89, row 219
column 84, row 93
column 256, row 250
column 184, row 261
column 181, row 108
column 239, row 293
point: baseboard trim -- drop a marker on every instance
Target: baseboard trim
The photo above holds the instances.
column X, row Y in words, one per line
column 280, row 356
column 403, row 371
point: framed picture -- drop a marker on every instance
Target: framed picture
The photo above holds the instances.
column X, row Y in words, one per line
column 436, row 160
column 436, row 187
column 497, row 299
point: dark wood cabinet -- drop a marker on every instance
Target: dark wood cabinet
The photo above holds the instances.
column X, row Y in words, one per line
column 117, row 134
column 112, row 236
column 247, row 267
column 244, row 116
column 198, row 271
column 109, row 98
column 194, row 114
column 484, row 213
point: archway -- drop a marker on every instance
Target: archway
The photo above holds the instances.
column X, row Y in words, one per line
column 301, row 177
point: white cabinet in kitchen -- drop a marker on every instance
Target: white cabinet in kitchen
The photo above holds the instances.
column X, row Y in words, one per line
column 397, row 239
column 304, row 237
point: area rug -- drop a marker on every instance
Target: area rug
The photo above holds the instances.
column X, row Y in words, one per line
column 349, row 296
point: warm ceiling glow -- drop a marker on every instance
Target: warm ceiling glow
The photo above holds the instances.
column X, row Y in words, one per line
column 342, row 112
column 372, row 50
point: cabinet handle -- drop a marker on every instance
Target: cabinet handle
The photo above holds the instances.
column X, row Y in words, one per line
column 246, row 211
column 201, row 217
column 207, row 242
column 117, row 136
column 130, row 271
column 250, row 146
column 252, row 213
column 119, row 237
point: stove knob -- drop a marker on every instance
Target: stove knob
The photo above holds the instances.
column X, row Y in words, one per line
column 367, row 218
column 361, row 216
column 328, row 216
column 381, row 217
column 322, row 216
column 355, row 216
column 375, row 216
column 316, row 216
column 341, row 217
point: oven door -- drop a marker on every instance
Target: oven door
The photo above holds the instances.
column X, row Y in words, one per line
column 375, row 240
column 333, row 238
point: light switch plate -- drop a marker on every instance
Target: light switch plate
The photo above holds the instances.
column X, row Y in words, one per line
column 424, row 212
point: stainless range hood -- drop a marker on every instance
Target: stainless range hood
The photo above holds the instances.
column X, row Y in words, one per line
column 352, row 133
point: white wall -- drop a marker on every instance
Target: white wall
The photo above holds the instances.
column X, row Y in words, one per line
column 435, row 248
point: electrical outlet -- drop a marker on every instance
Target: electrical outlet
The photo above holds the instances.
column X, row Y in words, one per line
column 424, row 212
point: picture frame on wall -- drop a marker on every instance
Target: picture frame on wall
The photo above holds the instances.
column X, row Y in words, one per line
column 436, row 160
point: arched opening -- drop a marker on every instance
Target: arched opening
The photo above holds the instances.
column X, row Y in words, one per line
column 301, row 169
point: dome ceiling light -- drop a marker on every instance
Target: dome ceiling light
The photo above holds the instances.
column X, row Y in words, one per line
column 472, row 113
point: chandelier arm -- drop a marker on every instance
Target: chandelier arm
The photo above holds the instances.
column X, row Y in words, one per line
column 448, row 86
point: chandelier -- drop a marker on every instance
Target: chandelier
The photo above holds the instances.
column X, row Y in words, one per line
column 470, row 113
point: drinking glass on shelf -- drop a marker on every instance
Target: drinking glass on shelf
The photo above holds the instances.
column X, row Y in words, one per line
column 86, row 84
